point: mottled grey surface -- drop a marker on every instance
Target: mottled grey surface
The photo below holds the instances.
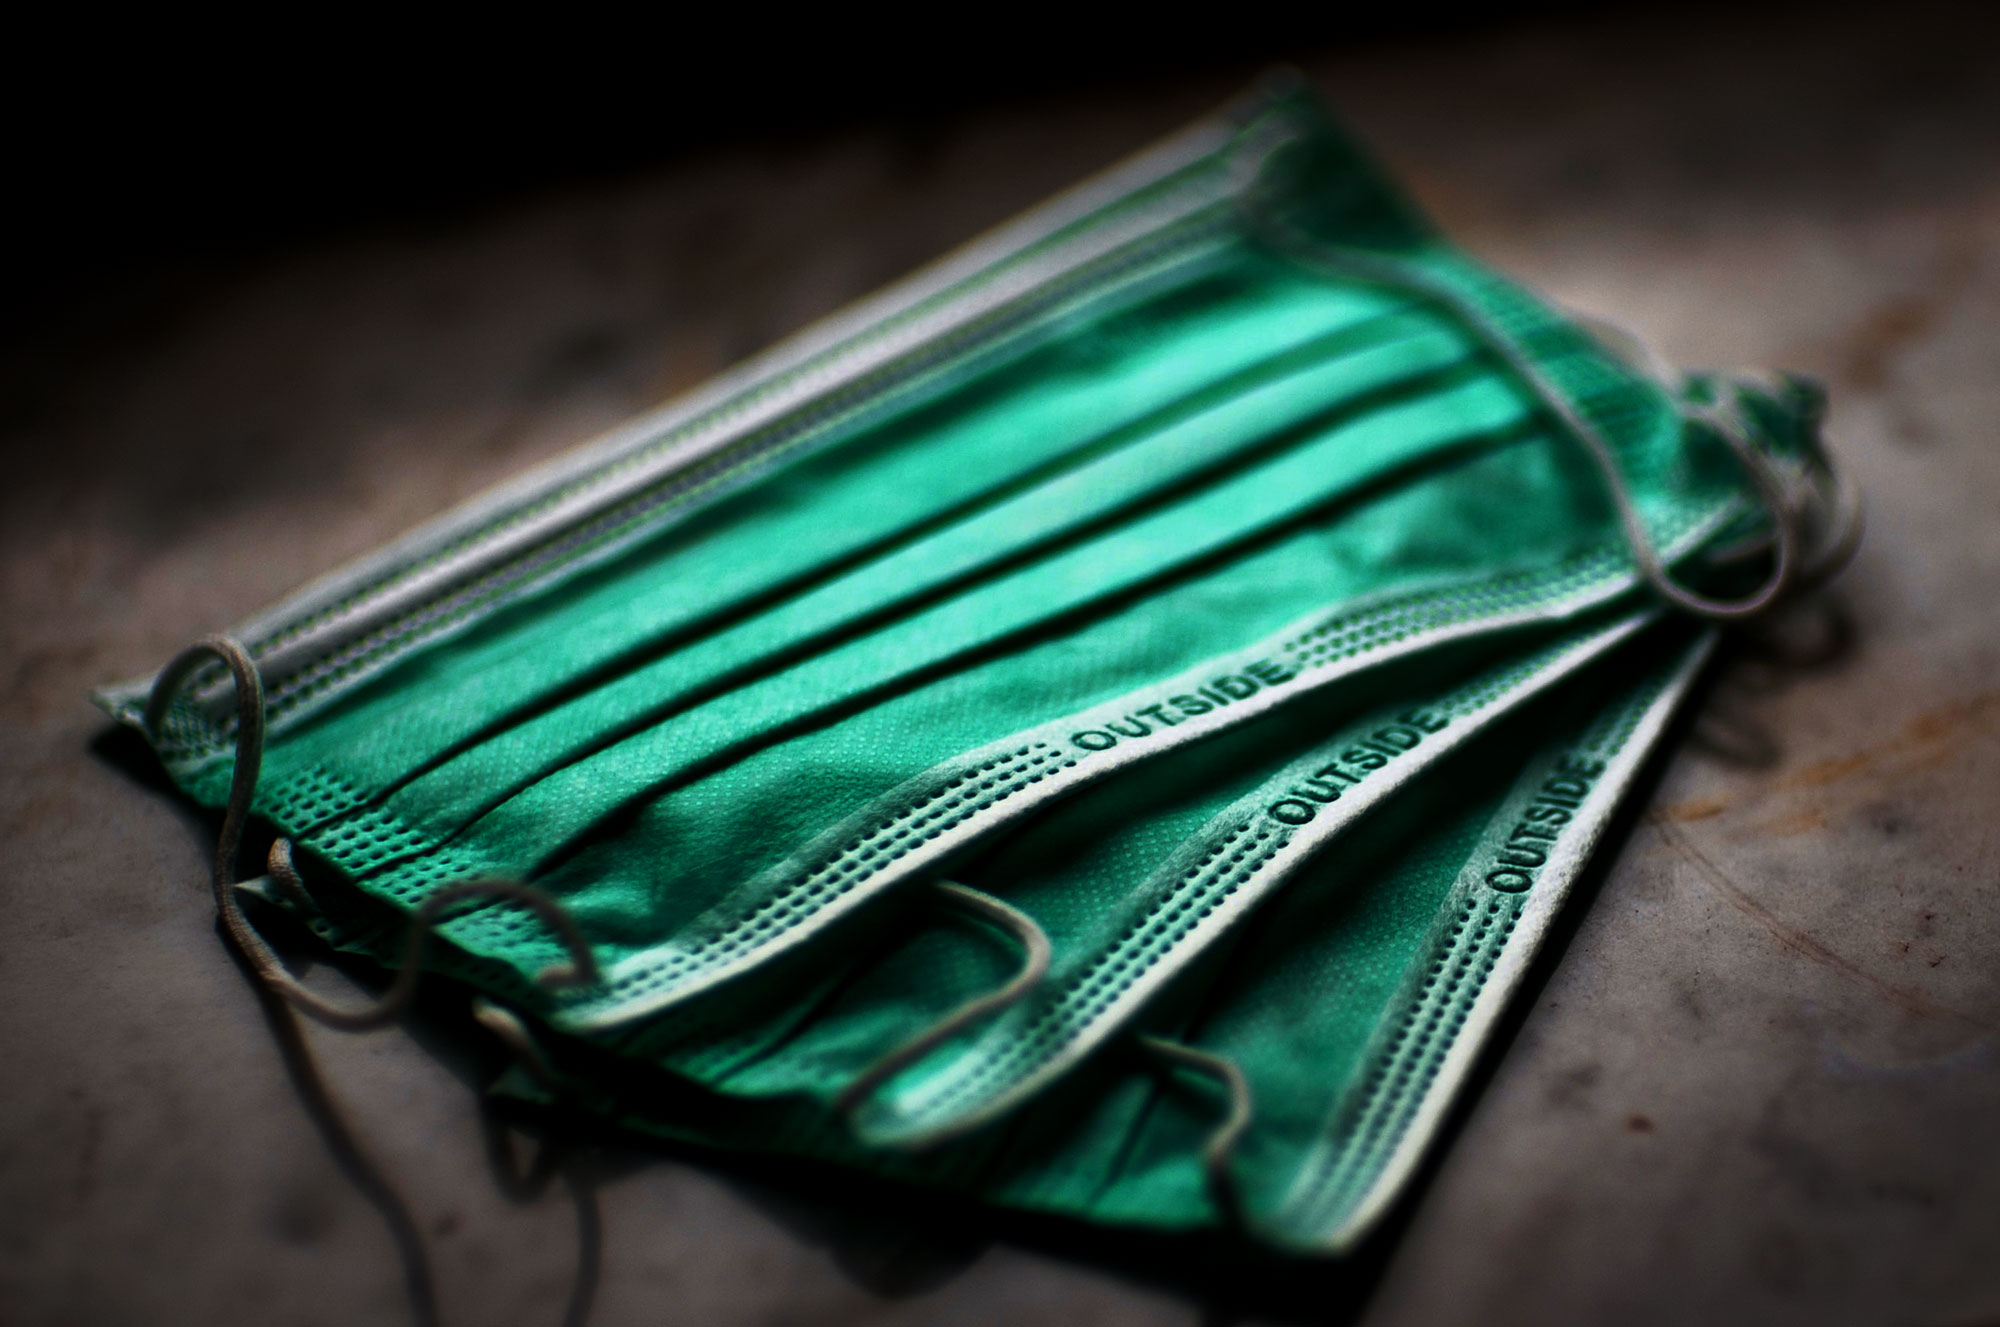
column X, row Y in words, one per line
column 1760, row 1083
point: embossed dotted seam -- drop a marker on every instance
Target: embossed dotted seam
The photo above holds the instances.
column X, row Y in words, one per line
column 1390, row 1104
column 1402, row 1078
column 313, row 792
column 312, row 795
column 1504, row 590
column 894, row 838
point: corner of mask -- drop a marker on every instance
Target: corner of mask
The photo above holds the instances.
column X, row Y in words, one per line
column 193, row 741
column 1780, row 414
column 123, row 701
column 1296, row 162
column 1787, row 410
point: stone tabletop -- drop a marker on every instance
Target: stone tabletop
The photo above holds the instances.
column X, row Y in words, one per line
column 1759, row 1079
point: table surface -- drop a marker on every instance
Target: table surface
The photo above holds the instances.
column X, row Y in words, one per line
column 1759, row 1078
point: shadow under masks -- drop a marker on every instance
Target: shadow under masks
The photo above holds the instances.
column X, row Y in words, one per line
column 1804, row 639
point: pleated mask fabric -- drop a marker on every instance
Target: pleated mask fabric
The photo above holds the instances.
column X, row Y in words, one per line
column 1152, row 459
column 813, row 1022
column 1124, row 579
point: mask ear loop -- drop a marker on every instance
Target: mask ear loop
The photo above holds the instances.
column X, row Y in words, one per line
column 1261, row 142
column 512, row 1030
column 582, row 970
column 1220, row 1147
column 1036, row 953
column 1843, row 498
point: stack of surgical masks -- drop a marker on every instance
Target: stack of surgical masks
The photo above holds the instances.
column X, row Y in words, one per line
column 1102, row 726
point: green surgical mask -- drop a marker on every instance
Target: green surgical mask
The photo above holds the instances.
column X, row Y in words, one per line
column 1311, row 1059
column 1196, row 469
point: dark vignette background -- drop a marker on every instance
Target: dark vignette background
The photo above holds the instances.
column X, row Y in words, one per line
column 271, row 296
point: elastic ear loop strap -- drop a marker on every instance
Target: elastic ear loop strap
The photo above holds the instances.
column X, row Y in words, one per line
column 1377, row 270
column 1837, row 493
column 1036, row 953
column 513, row 1031
column 1220, row 1147
column 582, row 970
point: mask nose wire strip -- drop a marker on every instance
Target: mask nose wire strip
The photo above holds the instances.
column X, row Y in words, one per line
column 1220, row 1147
column 1036, row 953
column 582, row 970
column 1304, row 249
